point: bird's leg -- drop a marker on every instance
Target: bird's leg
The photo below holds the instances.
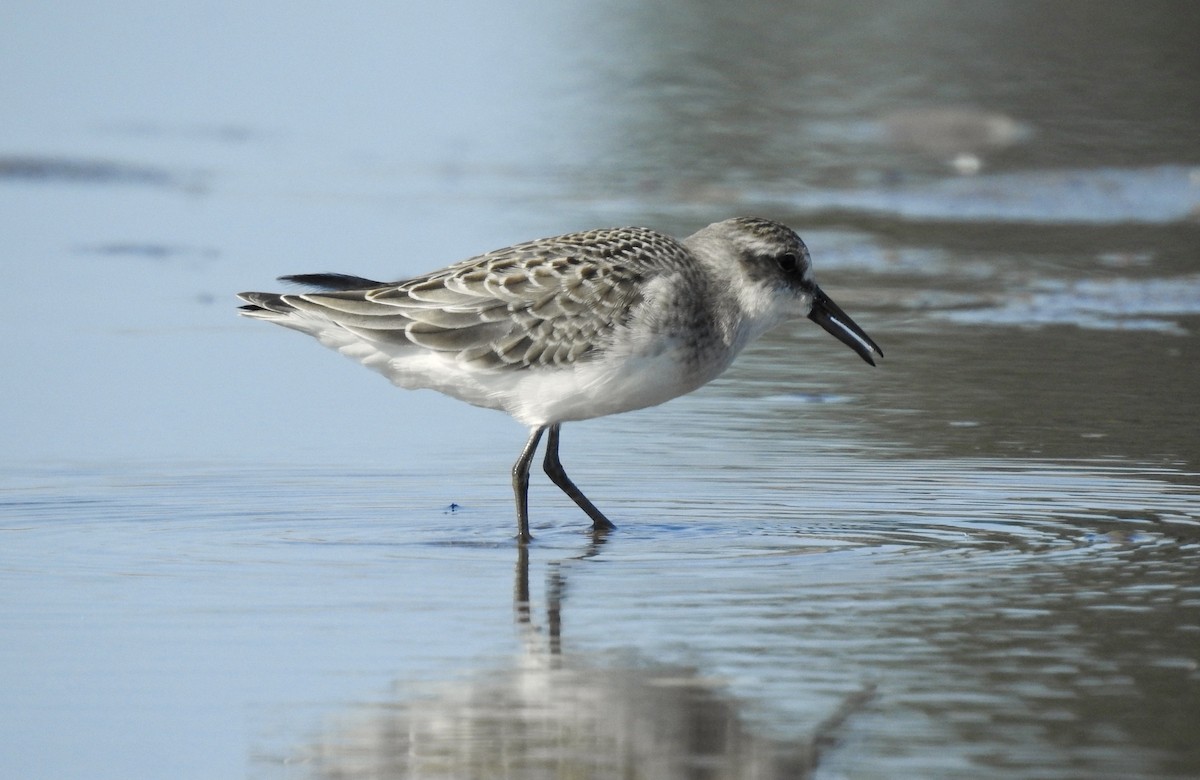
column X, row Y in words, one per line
column 559, row 477
column 520, row 479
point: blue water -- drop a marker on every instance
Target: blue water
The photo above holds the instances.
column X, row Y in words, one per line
column 225, row 551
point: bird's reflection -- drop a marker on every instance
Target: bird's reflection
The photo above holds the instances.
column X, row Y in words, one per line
column 555, row 591
column 558, row 713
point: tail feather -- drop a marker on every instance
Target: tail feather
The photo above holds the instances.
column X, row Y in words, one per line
column 274, row 306
column 264, row 304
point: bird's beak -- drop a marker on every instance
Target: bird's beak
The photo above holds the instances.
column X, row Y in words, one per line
column 830, row 316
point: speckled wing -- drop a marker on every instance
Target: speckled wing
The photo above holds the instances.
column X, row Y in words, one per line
column 544, row 303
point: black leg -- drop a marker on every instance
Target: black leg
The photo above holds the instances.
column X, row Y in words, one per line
column 520, row 479
column 559, row 477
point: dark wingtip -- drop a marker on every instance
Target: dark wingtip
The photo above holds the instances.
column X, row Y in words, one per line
column 332, row 282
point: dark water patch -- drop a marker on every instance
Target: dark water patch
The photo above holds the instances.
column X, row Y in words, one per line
column 82, row 170
column 152, row 251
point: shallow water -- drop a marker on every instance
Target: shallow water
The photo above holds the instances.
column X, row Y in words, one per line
column 229, row 552
column 958, row 615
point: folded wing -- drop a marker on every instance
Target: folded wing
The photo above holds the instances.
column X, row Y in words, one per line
column 545, row 303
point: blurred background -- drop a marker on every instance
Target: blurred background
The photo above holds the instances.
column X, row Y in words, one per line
column 228, row 551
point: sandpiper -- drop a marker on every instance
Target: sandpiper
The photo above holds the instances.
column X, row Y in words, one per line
column 571, row 327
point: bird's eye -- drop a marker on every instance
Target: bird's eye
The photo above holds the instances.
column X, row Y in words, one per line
column 788, row 263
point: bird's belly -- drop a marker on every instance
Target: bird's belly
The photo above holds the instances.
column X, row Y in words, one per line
column 596, row 389
column 539, row 395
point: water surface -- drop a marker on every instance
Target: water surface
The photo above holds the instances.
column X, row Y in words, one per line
column 228, row 552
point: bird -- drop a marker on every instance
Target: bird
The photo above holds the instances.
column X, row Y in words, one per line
column 571, row 327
